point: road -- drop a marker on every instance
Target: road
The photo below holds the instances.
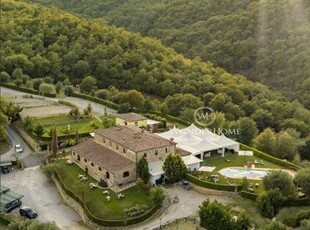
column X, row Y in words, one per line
column 16, row 139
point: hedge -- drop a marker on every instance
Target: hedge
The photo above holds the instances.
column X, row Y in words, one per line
column 103, row 222
column 249, row 195
column 26, row 90
column 271, row 158
column 289, row 202
column 97, row 100
column 297, row 202
column 210, row 185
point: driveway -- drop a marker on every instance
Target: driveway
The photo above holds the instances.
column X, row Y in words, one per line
column 40, row 194
column 16, row 139
column 188, row 205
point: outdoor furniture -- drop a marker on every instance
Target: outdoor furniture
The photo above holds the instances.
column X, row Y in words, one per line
column 257, row 185
column 251, row 190
column 256, row 162
column 106, row 192
column 93, row 185
column 261, row 162
column 121, row 195
column 80, row 176
column 108, row 198
column 84, row 178
column 69, row 162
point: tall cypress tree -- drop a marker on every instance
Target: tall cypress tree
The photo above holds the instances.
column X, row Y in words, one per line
column 143, row 170
column 54, row 141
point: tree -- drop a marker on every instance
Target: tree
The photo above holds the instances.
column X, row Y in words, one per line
column 214, row 215
column 143, row 170
column 248, row 130
column 75, row 112
column 87, row 84
column 59, row 86
column 174, row 167
column 266, row 141
column 286, row 145
column 275, row 225
column 4, row 76
column 88, row 110
column 280, row 180
column 269, row 202
column 77, row 138
column 37, row 82
column 18, row 82
column 69, row 89
column 245, row 184
column 177, row 102
column 17, row 73
column 54, row 142
column 32, row 225
column 263, row 119
column 302, row 179
column 102, row 93
column 39, row 130
column 4, row 121
column 158, row 196
column 46, row 88
column 124, row 108
column 134, row 98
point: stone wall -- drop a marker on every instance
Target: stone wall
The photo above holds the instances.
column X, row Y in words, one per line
column 94, row 170
column 30, row 141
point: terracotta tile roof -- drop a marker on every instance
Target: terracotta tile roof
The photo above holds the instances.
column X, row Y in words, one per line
column 133, row 138
column 182, row 152
column 102, row 156
column 131, row 117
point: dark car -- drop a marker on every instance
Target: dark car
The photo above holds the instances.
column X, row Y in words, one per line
column 28, row 212
column 11, row 206
column 5, row 169
column 185, row 185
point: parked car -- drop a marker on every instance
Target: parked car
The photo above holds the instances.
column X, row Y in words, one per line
column 28, row 212
column 18, row 149
column 185, row 185
column 12, row 206
column 5, row 169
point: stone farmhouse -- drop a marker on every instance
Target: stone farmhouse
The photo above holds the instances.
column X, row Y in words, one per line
column 113, row 153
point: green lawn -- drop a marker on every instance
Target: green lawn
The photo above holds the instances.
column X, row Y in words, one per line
column 82, row 126
column 235, row 161
column 96, row 200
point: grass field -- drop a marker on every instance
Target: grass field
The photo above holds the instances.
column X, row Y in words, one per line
column 94, row 198
column 63, row 121
column 235, row 161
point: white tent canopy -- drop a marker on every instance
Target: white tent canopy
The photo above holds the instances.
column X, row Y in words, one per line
column 205, row 145
column 195, row 140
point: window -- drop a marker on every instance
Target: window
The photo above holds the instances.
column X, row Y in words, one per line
column 73, row 153
column 107, row 175
column 145, row 154
column 85, row 160
column 136, row 123
column 92, row 164
column 126, row 174
column 166, row 150
column 103, row 140
column 124, row 150
column 99, row 168
column 79, row 158
column 156, row 152
column 117, row 147
column 125, row 122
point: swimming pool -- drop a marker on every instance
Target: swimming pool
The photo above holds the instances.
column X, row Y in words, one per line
column 239, row 173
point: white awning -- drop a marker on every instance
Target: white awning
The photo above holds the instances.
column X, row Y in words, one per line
column 190, row 159
column 206, row 169
column 156, row 168
column 205, row 145
column 152, row 122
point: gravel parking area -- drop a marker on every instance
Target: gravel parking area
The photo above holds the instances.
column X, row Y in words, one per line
column 42, row 195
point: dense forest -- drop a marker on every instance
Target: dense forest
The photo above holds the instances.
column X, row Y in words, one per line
column 267, row 41
column 42, row 46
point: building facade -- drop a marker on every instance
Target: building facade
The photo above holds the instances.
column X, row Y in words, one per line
column 113, row 153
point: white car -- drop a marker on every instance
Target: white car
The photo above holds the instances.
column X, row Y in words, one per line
column 18, row 149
